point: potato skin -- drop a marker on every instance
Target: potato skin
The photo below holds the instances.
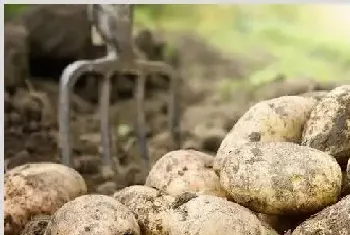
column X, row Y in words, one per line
column 207, row 215
column 39, row 188
column 276, row 120
column 333, row 220
column 328, row 128
column 281, row 178
column 185, row 171
column 149, row 206
column 95, row 215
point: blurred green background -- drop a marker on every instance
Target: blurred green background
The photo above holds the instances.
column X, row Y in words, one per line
column 295, row 40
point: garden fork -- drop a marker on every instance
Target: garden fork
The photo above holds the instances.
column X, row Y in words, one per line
column 114, row 23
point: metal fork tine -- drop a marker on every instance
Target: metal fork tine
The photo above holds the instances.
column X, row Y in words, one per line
column 174, row 103
column 68, row 79
column 105, row 124
column 140, row 122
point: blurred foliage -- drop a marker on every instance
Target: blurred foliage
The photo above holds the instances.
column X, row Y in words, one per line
column 11, row 10
column 294, row 40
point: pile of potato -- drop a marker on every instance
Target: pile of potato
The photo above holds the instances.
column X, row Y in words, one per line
column 285, row 160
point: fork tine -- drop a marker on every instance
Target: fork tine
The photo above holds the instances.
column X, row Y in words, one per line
column 140, row 122
column 67, row 81
column 174, row 103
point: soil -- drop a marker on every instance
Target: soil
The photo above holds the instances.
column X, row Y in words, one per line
column 37, row 225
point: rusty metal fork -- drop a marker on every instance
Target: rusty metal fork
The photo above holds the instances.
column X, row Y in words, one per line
column 114, row 23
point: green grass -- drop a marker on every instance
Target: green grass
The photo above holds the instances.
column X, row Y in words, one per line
column 279, row 39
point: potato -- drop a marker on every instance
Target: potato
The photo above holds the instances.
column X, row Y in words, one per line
column 185, row 171
column 95, row 215
column 333, row 220
column 276, row 120
column 149, row 206
column 328, row 128
column 208, row 215
column 281, row 178
column 39, row 188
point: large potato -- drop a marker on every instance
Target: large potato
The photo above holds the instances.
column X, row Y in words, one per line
column 95, row 215
column 276, row 120
column 149, row 206
column 208, row 215
column 40, row 188
column 328, row 128
column 185, row 171
column 281, row 178
column 333, row 220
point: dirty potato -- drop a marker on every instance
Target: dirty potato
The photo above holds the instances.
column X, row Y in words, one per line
column 95, row 215
column 39, row 188
column 207, row 215
column 149, row 206
column 281, row 178
column 276, row 120
column 185, row 171
column 328, row 128
column 333, row 220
